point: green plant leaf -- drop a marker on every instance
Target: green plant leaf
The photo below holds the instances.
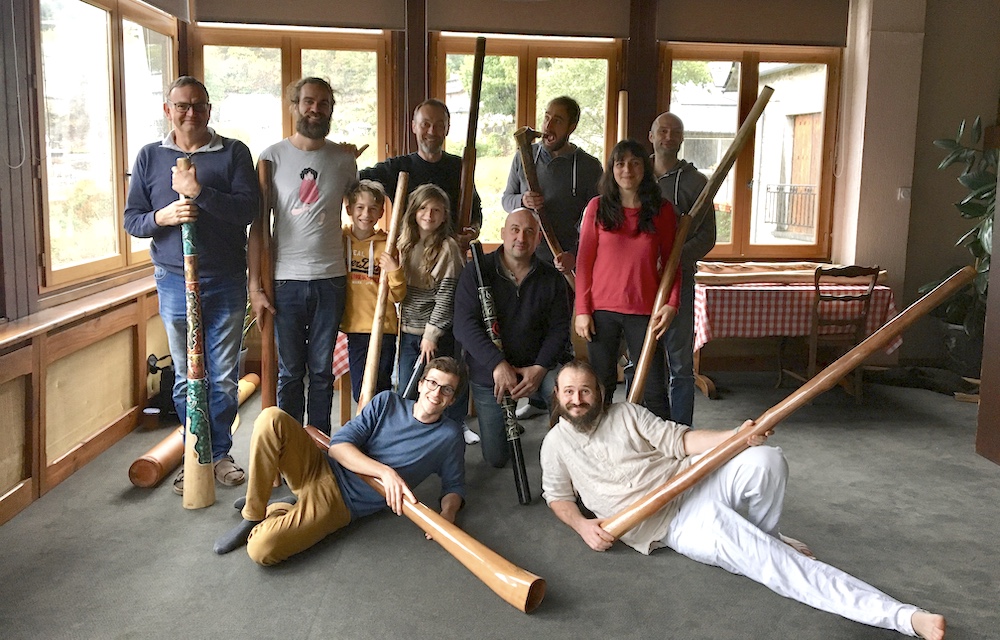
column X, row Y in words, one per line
column 946, row 143
column 977, row 130
column 961, row 131
column 969, row 237
column 970, row 209
column 977, row 180
column 952, row 158
column 986, row 236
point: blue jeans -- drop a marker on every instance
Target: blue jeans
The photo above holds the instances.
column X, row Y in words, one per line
column 305, row 328
column 492, row 432
column 357, row 353
column 223, row 307
column 409, row 352
column 678, row 343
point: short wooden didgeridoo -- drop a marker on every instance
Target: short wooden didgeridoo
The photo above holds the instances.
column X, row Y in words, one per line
column 154, row 465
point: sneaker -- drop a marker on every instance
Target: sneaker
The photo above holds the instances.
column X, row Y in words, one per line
column 529, row 411
column 471, row 437
column 227, row 473
column 179, row 482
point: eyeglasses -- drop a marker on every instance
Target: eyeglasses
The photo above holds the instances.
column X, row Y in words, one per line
column 197, row 107
column 445, row 389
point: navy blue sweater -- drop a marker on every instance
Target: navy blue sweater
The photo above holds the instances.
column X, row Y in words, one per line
column 533, row 317
column 228, row 203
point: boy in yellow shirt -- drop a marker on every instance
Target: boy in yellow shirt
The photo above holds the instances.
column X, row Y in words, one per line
column 364, row 246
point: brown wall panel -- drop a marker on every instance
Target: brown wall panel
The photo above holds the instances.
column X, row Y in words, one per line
column 373, row 14
column 85, row 391
column 13, row 431
column 817, row 22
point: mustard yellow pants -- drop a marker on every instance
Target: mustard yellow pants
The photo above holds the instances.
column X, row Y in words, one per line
column 280, row 444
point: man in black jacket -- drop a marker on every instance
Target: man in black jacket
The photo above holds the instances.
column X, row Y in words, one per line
column 533, row 314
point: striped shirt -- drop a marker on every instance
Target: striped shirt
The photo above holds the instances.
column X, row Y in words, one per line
column 428, row 310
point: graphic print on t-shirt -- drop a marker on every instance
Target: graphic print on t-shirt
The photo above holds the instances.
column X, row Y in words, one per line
column 308, row 193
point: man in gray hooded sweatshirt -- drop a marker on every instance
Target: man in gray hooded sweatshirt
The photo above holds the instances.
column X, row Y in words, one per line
column 681, row 183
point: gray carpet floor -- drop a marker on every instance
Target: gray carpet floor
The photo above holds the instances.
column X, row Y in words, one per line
column 890, row 491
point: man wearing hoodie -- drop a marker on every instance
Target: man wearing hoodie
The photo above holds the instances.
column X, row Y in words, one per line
column 681, row 183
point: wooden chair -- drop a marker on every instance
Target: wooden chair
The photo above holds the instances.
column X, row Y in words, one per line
column 846, row 312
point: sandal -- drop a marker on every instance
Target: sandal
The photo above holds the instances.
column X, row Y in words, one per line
column 227, row 473
column 179, row 482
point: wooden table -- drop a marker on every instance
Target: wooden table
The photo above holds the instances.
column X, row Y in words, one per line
column 767, row 309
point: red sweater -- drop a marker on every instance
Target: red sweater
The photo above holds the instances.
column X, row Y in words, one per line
column 620, row 270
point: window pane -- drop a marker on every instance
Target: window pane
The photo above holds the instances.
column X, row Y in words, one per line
column 494, row 130
column 788, row 157
column 354, row 78
column 148, row 59
column 83, row 221
column 586, row 81
column 244, row 84
column 705, row 96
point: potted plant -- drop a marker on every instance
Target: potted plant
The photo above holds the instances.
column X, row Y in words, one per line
column 965, row 312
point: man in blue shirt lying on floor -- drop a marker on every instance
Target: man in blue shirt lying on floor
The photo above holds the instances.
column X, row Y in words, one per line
column 398, row 441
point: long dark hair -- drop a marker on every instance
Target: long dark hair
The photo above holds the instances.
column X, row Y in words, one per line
column 609, row 212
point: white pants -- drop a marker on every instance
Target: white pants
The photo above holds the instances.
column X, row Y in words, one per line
column 730, row 520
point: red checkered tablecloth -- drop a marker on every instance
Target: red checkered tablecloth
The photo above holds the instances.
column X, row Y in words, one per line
column 757, row 310
column 341, row 363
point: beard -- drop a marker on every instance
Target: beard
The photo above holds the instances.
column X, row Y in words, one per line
column 316, row 130
column 586, row 422
column 557, row 144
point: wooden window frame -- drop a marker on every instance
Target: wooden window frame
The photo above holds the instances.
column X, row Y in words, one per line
column 291, row 42
column 118, row 10
column 749, row 57
column 528, row 49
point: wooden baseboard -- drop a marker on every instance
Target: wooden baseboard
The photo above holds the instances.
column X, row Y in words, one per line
column 16, row 500
column 67, row 464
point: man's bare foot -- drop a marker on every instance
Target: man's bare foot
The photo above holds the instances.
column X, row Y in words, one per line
column 929, row 626
column 798, row 546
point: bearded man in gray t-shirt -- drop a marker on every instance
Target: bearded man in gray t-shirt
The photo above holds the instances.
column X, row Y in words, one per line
column 309, row 177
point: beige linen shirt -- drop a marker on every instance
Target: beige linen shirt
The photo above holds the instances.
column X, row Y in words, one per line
column 630, row 453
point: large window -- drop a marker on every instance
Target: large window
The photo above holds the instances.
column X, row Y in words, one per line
column 776, row 201
column 520, row 76
column 247, row 71
column 94, row 123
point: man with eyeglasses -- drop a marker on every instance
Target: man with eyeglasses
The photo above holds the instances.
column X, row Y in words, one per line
column 221, row 198
column 398, row 441
column 533, row 314
column 309, row 178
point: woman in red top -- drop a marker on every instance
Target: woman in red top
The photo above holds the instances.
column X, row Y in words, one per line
column 625, row 239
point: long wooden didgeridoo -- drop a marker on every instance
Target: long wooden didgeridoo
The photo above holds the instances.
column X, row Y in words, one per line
column 370, row 380
column 524, row 137
column 712, row 187
column 469, row 155
column 823, row 381
column 521, row 589
column 262, row 230
column 199, row 472
column 622, row 114
column 154, row 465
column 507, row 403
